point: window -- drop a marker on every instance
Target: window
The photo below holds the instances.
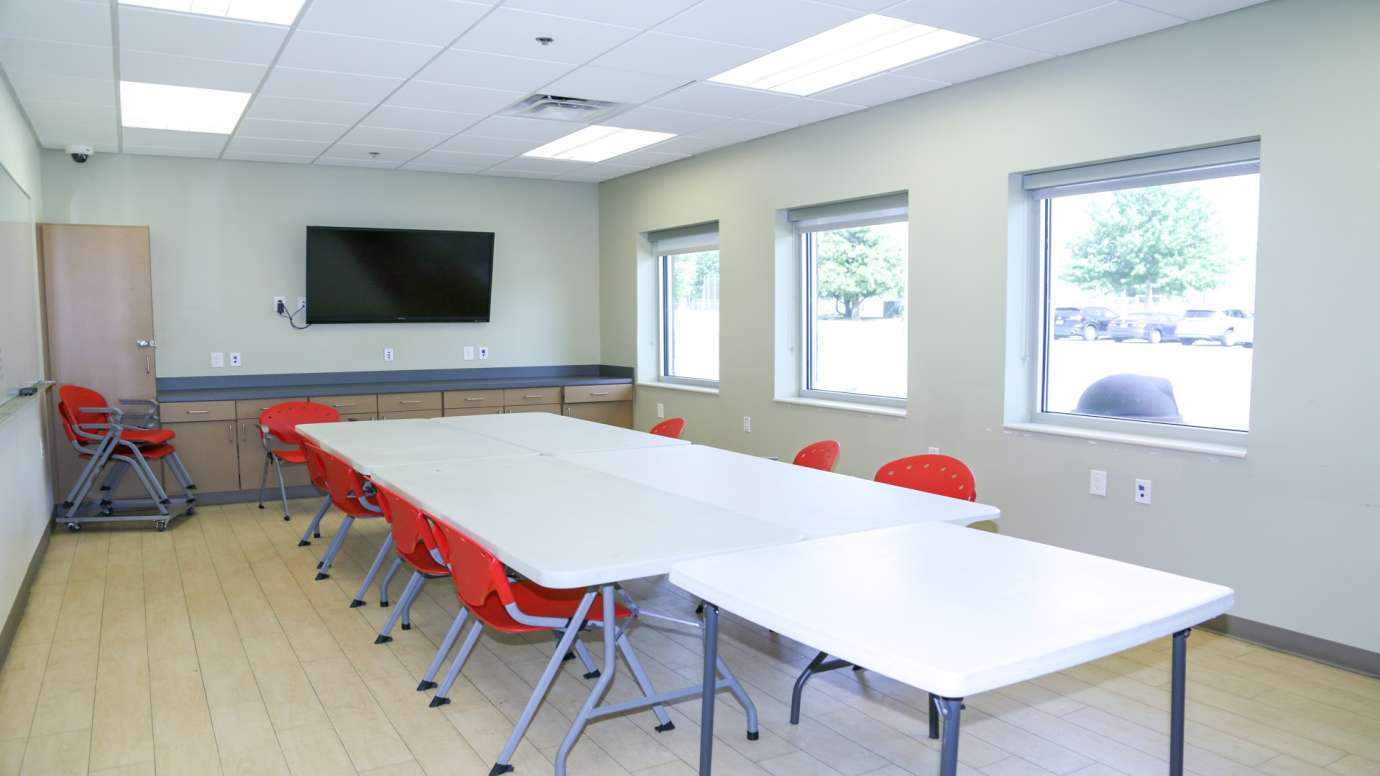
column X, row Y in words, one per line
column 688, row 284
column 853, row 258
column 1147, row 271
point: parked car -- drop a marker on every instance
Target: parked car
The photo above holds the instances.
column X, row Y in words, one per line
column 1151, row 327
column 1229, row 327
column 1086, row 322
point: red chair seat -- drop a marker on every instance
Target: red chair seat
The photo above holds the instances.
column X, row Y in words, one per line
column 153, row 452
column 147, row 436
column 291, row 455
column 538, row 601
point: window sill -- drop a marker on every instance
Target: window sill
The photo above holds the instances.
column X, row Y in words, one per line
column 845, row 406
column 1140, row 440
column 679, row 387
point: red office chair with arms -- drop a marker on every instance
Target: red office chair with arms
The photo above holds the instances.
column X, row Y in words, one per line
column 347, row 492
column 820, row 455
column 279, row 424
column 670, row 427
column 482, row 585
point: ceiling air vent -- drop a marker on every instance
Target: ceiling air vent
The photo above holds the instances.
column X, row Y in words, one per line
column 554, row 107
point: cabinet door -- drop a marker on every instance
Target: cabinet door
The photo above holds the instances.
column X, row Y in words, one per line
column 513, row 397
column 210, row 452
column 555, row 408
column 458, row 411
column 614, row 413
column 416, row 414
column 251, row 456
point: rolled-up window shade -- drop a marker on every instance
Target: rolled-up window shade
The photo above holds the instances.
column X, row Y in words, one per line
column 1179, row 167
column 854, row 212
column 685, row 239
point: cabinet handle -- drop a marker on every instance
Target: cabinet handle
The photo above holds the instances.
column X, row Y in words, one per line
column 351, row 404
column 598, row 393
column 474, row 398
column 230, row 433
column 198, row 412
column 409, row 401
column 533, row 396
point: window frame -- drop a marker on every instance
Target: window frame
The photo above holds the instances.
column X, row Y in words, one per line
column 886, row 209
column 665, row 246
column 1031, row 228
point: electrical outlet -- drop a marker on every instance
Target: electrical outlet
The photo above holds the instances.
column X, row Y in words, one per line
column 483, row 352
column 934, row 450
column 660, row 410
column 235, row 360
column 1142, row 491
column 747, row 424
column 280, row 305
column 469, row 352
column 217, row 360
column 387, row 354
column 1097, row 482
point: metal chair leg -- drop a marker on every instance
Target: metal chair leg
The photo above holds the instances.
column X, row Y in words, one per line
column 282, row 486
column 323, row 571
column 384, row 550
column 404, row 601
column 442, row 696
column 263, row 478
column 429, row 679
column 315, row 526
column 388, row 580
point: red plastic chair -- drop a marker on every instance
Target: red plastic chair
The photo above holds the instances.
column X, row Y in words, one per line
column 942, row 475
column 482, row 586
column 279, row 423
column 820, row 455
column 100, row 434
column 406, row 529
column 670, row 427
column 347, row 491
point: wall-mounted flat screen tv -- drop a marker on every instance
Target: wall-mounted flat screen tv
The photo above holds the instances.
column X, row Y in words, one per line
column 357, row 275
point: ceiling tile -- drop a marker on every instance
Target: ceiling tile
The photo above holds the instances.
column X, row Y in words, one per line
column 1099, row 26
column 987, row 18
column 870, row 6
column 768, row 24
column 276, row 146
column 433, row 22
column 396, row 117
column 64, row 59
column 154, row 68
column 733, row 131
column 686, row 58
column 880, row 89
column 602, row 83
column 805, row 111
column 660, row 120
column 532, row 164
column 193, row 35
column 629, row 13
column 32, row 85
column 257, row 157
column 601, row 172
column 351, row 54
column 475, row 144
column 194, row 143
column 442, row 161
column 297, row 109
column 511, row 173
column 720, row 100
column 649, row 157
column 513, row 32
column 289, row 130
column 695, row 144
column 381, row 137
column 340, row 161
column 325, row 85
column 143, row 150
column 1196, row 9
column 508, row 127
column 976, row 61
column 59, row 123
column 492, row 71
column 64, row 21
column 459, row 99
column 366, row 156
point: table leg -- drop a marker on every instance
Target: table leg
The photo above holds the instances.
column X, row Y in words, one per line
column 711, row 680
column 934, row 716
column 1176, row 703
column 611, row 637
column 951, row 709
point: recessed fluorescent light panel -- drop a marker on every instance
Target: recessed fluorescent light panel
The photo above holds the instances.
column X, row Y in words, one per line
column 597, row 143
column 860, row 48
column 270, row 11
column 182, row 108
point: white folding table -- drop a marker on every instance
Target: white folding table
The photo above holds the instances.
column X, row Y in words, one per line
column 554, row 434
column 367, row 445
column 951, row 611
column 567, row 526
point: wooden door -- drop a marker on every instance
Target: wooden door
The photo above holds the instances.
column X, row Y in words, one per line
column 98, row 308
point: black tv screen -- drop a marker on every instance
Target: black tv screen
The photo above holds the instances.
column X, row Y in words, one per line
column 398, row 275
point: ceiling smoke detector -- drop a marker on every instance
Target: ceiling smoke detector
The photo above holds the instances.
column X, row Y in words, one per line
column 555, row 107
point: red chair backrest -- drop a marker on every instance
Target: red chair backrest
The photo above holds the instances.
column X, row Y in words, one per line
column 410, row 530
column 71, row 399
column 477, row 575
column 281, row 420
column 342, row 482
column 316, row 468
column 820, row 455
column 942, row 475
column 671, row 427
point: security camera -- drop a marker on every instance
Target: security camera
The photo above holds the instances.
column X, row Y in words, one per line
column 80, row 153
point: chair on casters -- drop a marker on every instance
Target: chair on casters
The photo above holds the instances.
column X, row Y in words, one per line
column 941, row 475
column 670, row 427
column 101, row 435
column 483, row 587
column 820, row 455
column 279, row 423
column 347, row 491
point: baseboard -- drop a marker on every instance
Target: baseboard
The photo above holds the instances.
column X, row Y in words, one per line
column 1340, row 655
column 21, row 599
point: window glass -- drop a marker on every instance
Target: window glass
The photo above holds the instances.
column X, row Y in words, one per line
column 690, row 315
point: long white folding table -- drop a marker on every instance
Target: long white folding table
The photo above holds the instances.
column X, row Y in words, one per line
column 367, row 445
column 951, row 611
column 554, row 434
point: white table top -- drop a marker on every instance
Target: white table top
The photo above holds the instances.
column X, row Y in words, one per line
column 817, row 503
column 566, row 526
column 554, row 434
column 951, row 610
column 367, row 445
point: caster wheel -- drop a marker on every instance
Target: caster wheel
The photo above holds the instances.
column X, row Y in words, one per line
column 74, row 527
column 190, row 511
column 106, row 512
column 161, row 525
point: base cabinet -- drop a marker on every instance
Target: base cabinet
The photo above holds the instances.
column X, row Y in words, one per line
column 614, row 413
column 552, row 408
column 460, row 411
column 209, row 450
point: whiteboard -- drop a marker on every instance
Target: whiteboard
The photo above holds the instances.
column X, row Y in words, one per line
column 20, row 342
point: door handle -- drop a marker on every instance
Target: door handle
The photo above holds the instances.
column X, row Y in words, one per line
column 146, row 343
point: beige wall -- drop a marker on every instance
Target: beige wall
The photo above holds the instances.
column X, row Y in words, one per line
column 229, row 236
column 1296, row 526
